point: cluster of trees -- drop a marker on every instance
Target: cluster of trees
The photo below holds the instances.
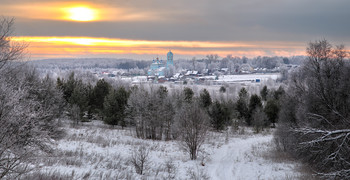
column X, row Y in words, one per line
column 158, row 114
column 259, row 111
column 151, row 112
column 315, row 116
column 161, row 115
column 29, row 108
column 87, row 101
column 155, row 112
column 89, row 63
column 132, row 64
column 233, row 63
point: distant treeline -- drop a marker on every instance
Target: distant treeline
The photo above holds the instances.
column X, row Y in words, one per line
column 86, row 63
column 211, row 62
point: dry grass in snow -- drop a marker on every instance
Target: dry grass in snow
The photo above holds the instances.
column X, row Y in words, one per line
column 96, row 151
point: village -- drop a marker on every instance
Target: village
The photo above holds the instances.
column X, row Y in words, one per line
column 161, row 71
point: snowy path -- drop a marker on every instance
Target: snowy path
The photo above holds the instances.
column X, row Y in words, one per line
column 241, row 159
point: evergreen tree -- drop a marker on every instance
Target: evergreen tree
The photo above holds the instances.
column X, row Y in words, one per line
column 110, row 107
column 75, row 92
column 230, row 107
column 242, row 104
column 68, row 86
column 278, row 93
column 205, row 99
column 59, row 83
column 99, row 92
column 122, row 99
column 285, row 60
column 89, row 109
column 80, row 97
column 222, row 89
column 114, row 106
column 254, row 103
column 264, row 93
column 188, row 93
column 218, row 115
column 271, row 110
column 162, row 92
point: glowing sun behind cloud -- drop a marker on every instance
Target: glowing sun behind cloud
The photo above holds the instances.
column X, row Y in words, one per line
column 81, row 14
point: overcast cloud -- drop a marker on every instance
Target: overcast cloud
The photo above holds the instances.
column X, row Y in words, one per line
column 224, row 20
column 290, row 21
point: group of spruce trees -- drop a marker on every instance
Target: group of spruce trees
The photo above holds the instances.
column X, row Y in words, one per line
column 86, row 101
column 259, row 111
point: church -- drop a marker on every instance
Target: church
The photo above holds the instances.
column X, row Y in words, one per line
column 158, row 67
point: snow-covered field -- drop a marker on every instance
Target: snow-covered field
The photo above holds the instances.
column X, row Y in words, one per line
column 233, row 83
column 245, row 77
column 96, row 151
column 238, row 78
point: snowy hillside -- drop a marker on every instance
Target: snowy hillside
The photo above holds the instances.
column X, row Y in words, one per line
column 96, row 151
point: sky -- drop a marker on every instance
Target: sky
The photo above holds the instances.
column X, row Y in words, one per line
column 145, row 29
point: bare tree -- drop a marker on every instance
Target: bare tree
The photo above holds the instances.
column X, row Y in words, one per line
column 29, row 107
column 140, row 159
column 74, row 113
column 9, row 50
column 315, row 117
column 193, row 123
column 137, row 111
column 259, row 120
column 151, row 112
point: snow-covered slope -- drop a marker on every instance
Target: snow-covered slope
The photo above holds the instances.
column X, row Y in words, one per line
column 96, row 151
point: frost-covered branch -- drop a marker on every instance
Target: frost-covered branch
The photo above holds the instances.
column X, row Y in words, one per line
column 315, row 119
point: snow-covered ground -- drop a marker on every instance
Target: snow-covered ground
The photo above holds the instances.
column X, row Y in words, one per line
column 237, row 78
column 96, row 151
column 233, row 84
column 243, row 158
column 249, row 77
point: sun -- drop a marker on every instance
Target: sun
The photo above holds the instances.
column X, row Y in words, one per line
column 81, row 14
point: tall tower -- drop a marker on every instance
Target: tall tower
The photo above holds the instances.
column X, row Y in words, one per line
column 169, row 59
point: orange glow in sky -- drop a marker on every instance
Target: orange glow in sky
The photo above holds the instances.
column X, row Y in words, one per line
column 81, row 14
column 41, row 47
column 75, row 11
column 75, row 28
column 66, row 11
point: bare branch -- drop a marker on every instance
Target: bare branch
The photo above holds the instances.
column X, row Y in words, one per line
column 9, row 51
